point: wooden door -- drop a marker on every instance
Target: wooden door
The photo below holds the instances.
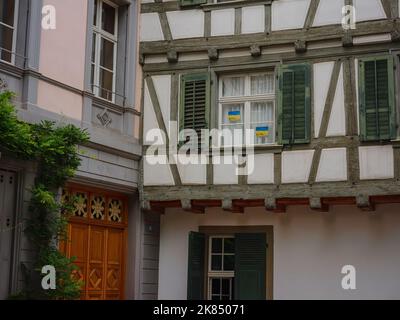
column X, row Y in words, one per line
column 97, row 239
column 7, row 217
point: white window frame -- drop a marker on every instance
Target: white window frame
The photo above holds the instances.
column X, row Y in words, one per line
column 15, row 31
column 99, row 34
column 246, row 100
column 211, row 274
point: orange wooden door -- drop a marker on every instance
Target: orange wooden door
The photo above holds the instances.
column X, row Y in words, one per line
column 98, row 244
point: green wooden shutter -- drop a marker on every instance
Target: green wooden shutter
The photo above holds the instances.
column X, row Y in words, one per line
column 194, row 112
column 195, row 284
column 184, row 3
column 376, row 90
column 250, row 266
column 294, row 104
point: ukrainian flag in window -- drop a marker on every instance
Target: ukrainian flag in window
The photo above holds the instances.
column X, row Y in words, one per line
column 234, row 116
column 262, row 132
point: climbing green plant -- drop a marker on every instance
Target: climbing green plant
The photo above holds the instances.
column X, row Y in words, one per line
column 54, row 149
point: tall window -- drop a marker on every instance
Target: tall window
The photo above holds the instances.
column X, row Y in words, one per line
column 8, row 29
column 247, row 102
column 221, row 268
column 104, row 49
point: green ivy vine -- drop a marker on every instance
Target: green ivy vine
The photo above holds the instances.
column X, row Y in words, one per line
column 54, row 149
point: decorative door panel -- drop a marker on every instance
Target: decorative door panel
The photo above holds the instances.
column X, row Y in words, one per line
column 78, row 249
column 114, row 260
column 97, row 238
column 96, row 259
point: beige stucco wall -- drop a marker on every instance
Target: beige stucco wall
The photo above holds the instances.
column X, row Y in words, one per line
column 310, row 249
column 62, row 51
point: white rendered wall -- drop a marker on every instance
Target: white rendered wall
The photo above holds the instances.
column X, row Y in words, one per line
column 328, row 12
column 337, row 119
column 289, row 14
column 150, row 27
column 253, row 19
column 186, row 23
column 369, row 10
column 332, row 165
column 223, row 22
column 322, row 79
column 263, row 172
column 296, row 166
column 376, row 162
column 310, row 249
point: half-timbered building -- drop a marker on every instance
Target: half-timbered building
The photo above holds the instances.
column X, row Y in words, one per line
column 316, row 84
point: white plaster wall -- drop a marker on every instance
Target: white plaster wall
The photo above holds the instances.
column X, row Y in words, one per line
column 376, row 162
column 186, row 23
column 369, row 10
column 150, row 27
column 310, row 249
column 222, row 22
column 333, row 165
column 337, row 119
column 225, row 170
column 192, row 169
column 150, row 120
column 263, row 169
column 328, row 12
column 296, row 166
column 156, row 171
column 322, row 78
column 253, row 19
column 289, row 14
column 162, row 85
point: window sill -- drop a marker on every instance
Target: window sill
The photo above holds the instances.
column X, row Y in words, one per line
column 233, row 4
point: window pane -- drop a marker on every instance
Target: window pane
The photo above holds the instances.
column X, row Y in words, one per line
column 229, row 245
column 215, row 297
column 95, row 13
column 106, row 84
column 94, row 47
column 232, row 124
column 7, row 11
column 216, row 262
column 108, row 18
column 107, row 54
column 6, row 43
column 229, row 262
column 262, row 84
column 215, row 286
column 226, row 286
column 262, row 122
column 92, row 76
column 216, row 246
column 233, row 113
column 233, row 87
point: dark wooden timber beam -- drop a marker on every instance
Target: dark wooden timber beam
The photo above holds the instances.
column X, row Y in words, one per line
column 363, row 202
column 266, row 40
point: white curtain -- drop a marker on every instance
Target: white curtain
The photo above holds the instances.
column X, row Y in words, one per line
column 262, row 115
column 233, row 87
column 236, row 136
column 262, row 84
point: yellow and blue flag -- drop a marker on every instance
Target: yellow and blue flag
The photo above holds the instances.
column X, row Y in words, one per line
column 262, row 132
column 234, row 116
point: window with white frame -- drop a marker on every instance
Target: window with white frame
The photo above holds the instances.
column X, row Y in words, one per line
column 8, row 29
column 104, row 49
column 247, row 102
column 221, row 266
